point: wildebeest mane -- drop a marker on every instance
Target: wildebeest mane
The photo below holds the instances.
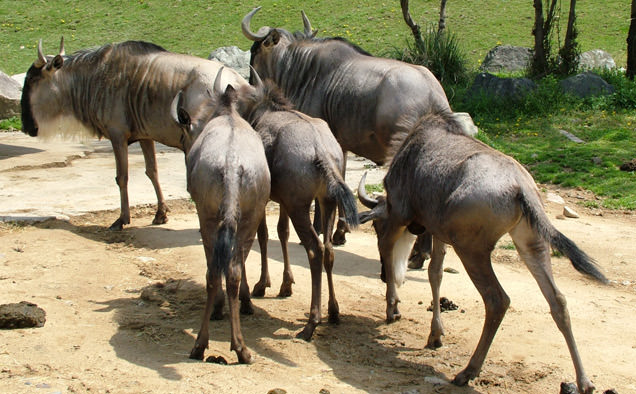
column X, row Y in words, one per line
column 274, row 97
column 300, row 36
column 127, row 48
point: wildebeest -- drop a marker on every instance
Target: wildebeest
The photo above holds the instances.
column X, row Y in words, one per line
column 361, row 97
column 229, row 181
column 121, row 92
column 468, row 195
column 305, row 163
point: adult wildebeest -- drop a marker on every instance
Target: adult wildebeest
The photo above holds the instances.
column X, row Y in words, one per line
column 361, row 97
column 229, row 182
column 468, row 195
column 305, row 162
column 121, row 92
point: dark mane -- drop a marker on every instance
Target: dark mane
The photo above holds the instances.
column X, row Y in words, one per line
column 299, row 36
column 274, row 97
column 125, row 49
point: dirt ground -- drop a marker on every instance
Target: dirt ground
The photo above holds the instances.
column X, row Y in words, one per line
column 123, row 308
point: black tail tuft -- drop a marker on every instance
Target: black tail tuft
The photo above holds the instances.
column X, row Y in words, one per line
column 346, row 203
column 224, row 248
column 580, row 260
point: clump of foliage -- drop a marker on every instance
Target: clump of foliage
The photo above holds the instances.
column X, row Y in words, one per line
column 440, row 52
column 11, row 124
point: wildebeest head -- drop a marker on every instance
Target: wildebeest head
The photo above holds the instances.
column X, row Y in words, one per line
column 267, row 39
column 39, row 81
column 261, row 96
column 194, row 106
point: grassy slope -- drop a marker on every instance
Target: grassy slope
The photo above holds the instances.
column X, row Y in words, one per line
column 199, row 26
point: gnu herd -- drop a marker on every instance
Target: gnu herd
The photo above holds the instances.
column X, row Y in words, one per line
column 283, row 136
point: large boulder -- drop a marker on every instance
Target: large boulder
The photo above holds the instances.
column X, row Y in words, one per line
column 585, row 85
column 506, row 88
column 596, row 58
column 506, row 58
column 233, row 57
column 10, row 93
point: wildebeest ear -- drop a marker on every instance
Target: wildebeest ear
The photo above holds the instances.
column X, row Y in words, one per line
column 272, row 39
column 58, row 61
column 183, row 117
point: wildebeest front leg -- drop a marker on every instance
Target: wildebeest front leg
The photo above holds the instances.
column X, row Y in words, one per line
column 283, row 235
column 313, row 246
column 435, row 272
column 120, row 149
column 264, row 281
column 148, row 149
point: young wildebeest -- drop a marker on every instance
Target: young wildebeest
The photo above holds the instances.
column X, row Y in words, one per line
column 229, row 181
column 305, row 163
column 121, row 92
column 468, row 195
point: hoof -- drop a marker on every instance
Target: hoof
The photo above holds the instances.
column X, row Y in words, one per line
column 160, row 218
column 393, row 317
column 244, row 356
column 416, row 262
column 306, row 333
column 285, row 290
column 117, row 225
column 339, row 238
column 259, row 289
column 434, row 343
column 247, row 308
column 197, row 353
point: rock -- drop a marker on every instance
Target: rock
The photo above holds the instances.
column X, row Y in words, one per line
column 233, row 57
column 277, row 391
column 571, row 137
column 506, row 58
column 570, row 213
column 19, row 78
column 505, row 88
column 451, row 270
column 585, row 85
column 10, row 94
column 21, row 315
column 629, row 166
column 568, row 388
column 555, row 198
column 597, row 160
column 596, row 58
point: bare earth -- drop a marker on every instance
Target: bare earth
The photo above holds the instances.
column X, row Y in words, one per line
column 123, row 308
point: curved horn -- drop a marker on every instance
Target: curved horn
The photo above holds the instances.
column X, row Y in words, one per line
column 307, row 25
column 41, row 58
column 363, row 196
column 258, row 82
column 62, row 51
column 247, row 32
column 217, row 81
column 176, row 102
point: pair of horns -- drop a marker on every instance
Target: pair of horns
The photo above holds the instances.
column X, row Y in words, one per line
column 264, row 31
column 42, row 59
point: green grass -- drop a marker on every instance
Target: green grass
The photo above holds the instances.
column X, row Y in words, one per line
column 199, row 26
column 528, row 130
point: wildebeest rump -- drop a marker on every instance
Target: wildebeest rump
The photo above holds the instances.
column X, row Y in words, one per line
column 468, row 195
column 306, row 163
column 121, row 92
column 229, row 182
column 361, row 97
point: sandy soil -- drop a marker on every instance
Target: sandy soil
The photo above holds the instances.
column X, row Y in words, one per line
column 123, row 308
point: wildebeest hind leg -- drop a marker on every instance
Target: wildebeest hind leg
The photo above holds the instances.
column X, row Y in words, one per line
column 328, row 217
column 535, row 252
column 283, row 235
column 264, row 281
column 120, row 149
column 148, row 149
column 313, row 246
column 213, row 287
column 496, row 301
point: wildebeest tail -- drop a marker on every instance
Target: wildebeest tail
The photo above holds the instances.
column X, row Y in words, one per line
column 583, row 263
column 338, row 190
column 225, row 245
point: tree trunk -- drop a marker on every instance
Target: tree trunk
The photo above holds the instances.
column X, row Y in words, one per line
column 631, row 44
column 442, row 17
column 569, row 53
column 415, row 29
column 539, row 59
